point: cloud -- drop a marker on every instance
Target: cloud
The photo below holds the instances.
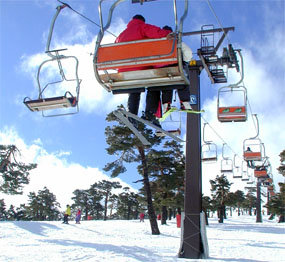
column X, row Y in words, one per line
column 54, row 171
column 93, row 98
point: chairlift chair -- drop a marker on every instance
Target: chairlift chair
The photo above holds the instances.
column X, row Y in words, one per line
column 226, row 162
column 253, row 148
column 232, row 113
column 245, row 176
column 56, row 103
column 267, row 182
column 237, row 168
column 262, row 172
column 133, row 54
column 235, row 111
column 209, row 151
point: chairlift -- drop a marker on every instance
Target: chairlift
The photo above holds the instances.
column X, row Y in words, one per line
column 208, row 150
column 229, row 109
column 146, row 52
column 253, row 148
column 268, row 182
column 262, row 172
column 238, row 169
column 70, row 98
column 245, row 176
column 226, row 163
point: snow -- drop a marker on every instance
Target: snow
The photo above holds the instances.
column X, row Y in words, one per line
column 238, row 239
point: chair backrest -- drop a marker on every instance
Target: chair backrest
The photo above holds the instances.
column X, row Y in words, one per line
column 232, row 114
column 134, row 54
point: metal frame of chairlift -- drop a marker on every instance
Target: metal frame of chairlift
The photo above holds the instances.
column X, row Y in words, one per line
column 208, row 145
column 132, row 54
column 256, row 155
column 226, row 160
column 60, row 102
column 177, row 131
column 244, row 169
column 235, row 113
column 237, row 167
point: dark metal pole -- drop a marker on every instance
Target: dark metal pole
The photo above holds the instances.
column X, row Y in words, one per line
column 258, row 203
column 192, row 244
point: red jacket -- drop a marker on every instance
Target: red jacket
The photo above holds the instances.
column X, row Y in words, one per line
column 137, row 30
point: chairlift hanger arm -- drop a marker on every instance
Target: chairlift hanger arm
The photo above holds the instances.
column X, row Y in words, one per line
column 58, row 9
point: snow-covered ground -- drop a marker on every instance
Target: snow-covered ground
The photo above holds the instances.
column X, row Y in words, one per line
column 239, row 239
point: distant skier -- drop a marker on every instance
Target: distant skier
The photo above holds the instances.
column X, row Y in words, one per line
column 67, row 213
column 78, row 216
column 142, row 217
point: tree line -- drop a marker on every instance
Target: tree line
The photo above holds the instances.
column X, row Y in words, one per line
column 162, row 168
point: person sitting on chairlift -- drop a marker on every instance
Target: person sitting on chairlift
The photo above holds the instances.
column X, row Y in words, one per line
column 250, row 163
column 137, row 29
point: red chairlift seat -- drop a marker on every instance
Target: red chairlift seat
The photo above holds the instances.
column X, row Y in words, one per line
column 133, row 56
column 261, row 173
column 232, row 114
column 249, row 155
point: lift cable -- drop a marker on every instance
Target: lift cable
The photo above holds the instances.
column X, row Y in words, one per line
column 218, row 20
column 85, row 17
column 220, row 137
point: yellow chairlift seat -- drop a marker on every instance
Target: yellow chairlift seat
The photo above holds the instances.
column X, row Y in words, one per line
column 139, row 64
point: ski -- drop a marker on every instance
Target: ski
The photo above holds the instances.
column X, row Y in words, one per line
column 146, row 122
column 125, row 120
column 175, row 109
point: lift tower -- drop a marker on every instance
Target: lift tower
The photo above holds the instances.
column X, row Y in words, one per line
column 193, row 245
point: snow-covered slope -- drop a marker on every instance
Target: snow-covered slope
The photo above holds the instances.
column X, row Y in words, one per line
column 239, row 239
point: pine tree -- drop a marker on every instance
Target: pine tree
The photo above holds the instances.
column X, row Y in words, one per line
column 129, row 149
column 3, row 213
column 127, row 205
column 14, row 174
column 220, row 188
column 276, row 204
column 250, row 202
column 11, row 213
column 43, row 206
column 167, row 167
column 105, row 188
column 239, row 199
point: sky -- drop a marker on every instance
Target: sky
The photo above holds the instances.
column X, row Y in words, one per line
column 238, row 239
column 71, row 150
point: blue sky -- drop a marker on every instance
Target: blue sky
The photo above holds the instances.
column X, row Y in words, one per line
column 71, row 150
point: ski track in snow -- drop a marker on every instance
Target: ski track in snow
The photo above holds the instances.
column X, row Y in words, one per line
column 238, row 239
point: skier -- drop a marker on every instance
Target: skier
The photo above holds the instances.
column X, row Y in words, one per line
column 142, row 217
column 67, row 213
column 78, row 216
